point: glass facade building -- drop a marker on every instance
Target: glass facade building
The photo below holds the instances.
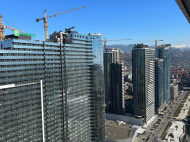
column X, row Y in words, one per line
column 164, row 52
column 159, row 100
column 114, row 80
column 143, row 69
column 71, row 94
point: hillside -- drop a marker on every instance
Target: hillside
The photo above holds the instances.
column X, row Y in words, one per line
column 127, row 59
column 178, row 56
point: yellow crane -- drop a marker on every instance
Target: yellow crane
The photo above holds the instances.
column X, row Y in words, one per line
column 2, row 27
column 45, row 18
column 105, row 40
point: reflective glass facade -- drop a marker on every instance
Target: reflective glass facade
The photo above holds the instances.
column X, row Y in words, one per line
column 164, row 52
column 143, row 69
column 73, row 90
column 159, row 100
column 114, row 80
column 107, row 76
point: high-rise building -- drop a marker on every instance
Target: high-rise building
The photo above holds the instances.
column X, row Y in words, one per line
column 159, row 101
column 143, row 81
column 51, row 91
column 114, row 80
column 163, row 52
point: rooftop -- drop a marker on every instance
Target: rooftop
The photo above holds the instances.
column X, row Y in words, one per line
column 164, row 46
column 141, row 46
column 94, row 34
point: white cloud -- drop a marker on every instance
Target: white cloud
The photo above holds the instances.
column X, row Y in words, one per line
column 181, row 46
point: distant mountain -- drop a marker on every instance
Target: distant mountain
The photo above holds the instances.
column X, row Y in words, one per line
column 124, row 48
column 181, row 49
column 127, row 59
column 178, row 55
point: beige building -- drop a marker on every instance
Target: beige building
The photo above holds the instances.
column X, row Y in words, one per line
column 173, row 92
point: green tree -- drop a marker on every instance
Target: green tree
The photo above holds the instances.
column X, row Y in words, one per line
column 171, row 134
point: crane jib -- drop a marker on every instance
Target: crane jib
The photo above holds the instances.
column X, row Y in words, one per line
column 45, row 18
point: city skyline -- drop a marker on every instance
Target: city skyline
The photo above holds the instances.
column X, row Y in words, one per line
column 138, row 20
column 58, row 84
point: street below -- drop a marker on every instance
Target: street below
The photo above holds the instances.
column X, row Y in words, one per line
column 168, row 116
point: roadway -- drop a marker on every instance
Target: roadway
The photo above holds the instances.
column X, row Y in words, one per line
column 157, row 132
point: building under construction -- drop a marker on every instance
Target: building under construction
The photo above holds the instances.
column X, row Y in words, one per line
column 52, row 91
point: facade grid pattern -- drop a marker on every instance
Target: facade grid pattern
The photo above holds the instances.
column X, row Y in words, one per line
column 73, row 94
column 114, row 80
column 143, row 81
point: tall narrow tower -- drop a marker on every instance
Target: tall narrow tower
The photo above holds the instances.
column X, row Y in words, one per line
column 143, row 81
column 163, row 52
column 114, row 80
column 159, row 100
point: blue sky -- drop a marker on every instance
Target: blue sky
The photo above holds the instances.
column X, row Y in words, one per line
column 140, row 20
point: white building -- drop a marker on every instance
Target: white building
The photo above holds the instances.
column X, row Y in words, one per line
column 173, row 91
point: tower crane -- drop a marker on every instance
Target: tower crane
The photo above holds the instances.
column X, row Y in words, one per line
column 45, row 18
column 105, row 40
column 2, row 27
column 156, row 41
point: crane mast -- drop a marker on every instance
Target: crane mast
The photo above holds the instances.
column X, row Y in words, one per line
column 2, row 27
column 45, row 25
column 156, row 42
column 45, row 18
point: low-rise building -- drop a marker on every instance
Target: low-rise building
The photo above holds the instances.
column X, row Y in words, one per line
column 173, row 92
